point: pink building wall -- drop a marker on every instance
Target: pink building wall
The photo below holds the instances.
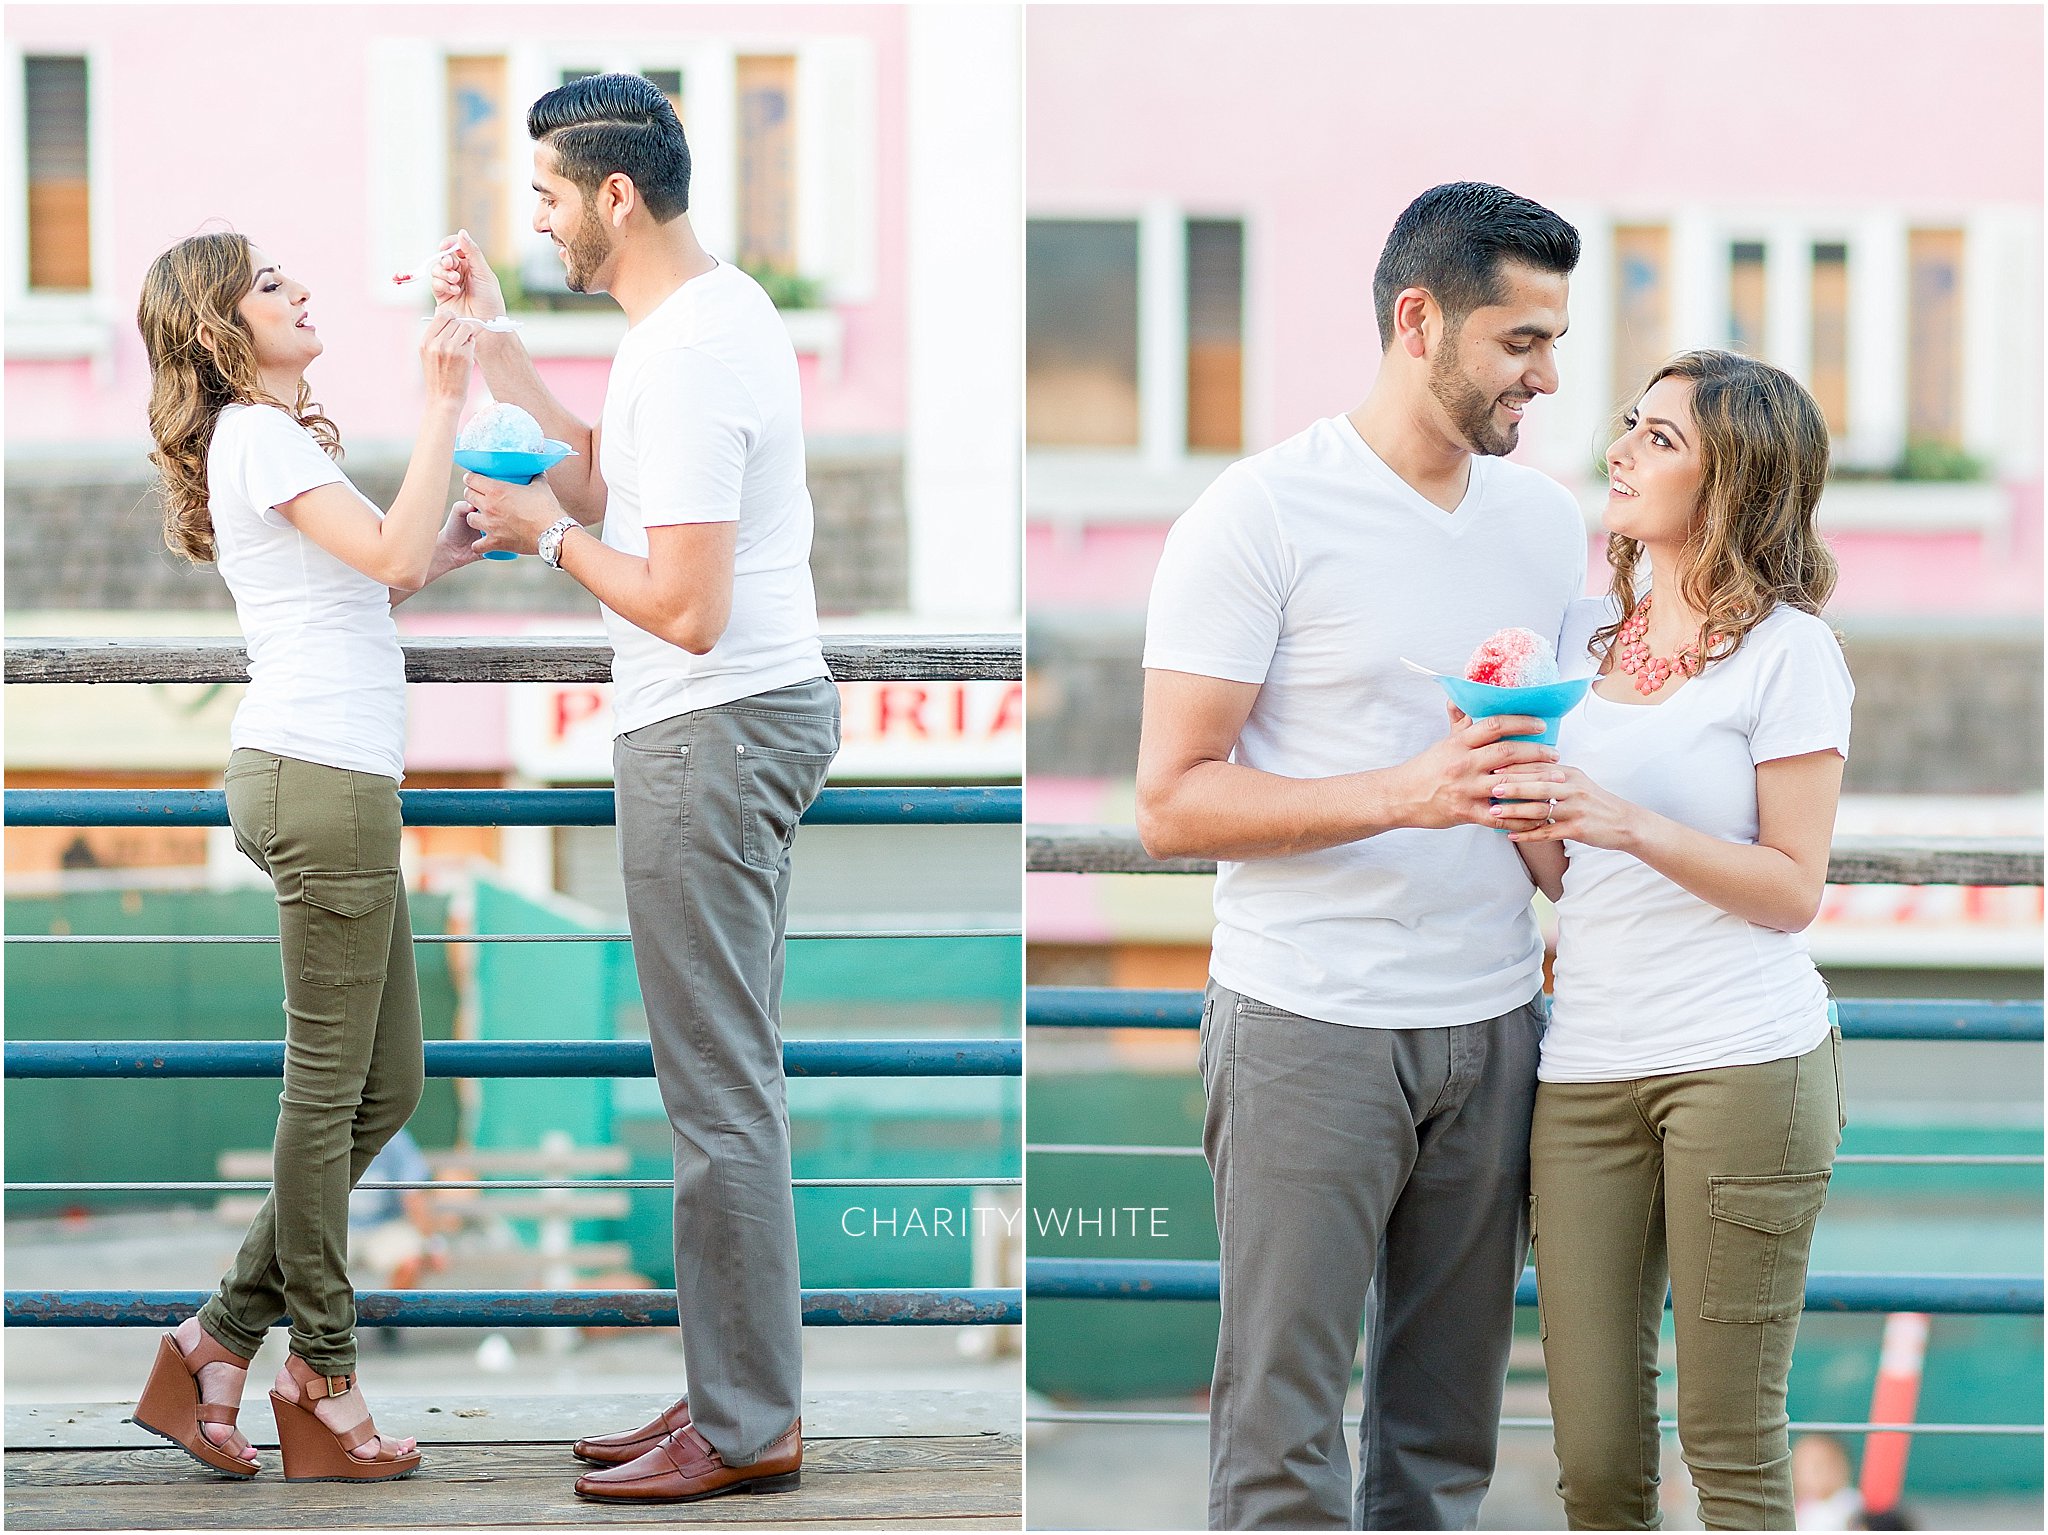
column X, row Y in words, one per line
column 260, row 116
column 1322, row 122
column 1318, row 124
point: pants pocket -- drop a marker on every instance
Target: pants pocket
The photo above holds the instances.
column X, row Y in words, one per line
column 776, row 786
column 1762, row 1232
column 348, row 925
column 1841, row 1094
column 651, row 785
column 1202, row 1039
column 250, row 786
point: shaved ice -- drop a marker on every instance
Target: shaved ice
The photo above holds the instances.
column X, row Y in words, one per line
column 501, row 429
column 1513, row 658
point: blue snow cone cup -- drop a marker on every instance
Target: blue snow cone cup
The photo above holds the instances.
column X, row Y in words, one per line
column 524, row 469
column 1549, row 702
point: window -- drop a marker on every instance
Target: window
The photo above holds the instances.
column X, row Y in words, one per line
column 1828, row 373
column 448, row 149
column 1642, row 303
column 767, row 192
column 1746, row 297
column 1934, row 309
column 477, row 191
column 1215, row 252
column 1081, row 333
column 59, row 187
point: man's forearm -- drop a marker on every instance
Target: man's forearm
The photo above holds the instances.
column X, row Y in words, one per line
column 511, row 377
column 625, row 583
column 1223, row 810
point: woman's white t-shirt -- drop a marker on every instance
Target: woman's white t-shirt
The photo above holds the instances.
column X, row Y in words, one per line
column 326, row 675
column 1650, row 979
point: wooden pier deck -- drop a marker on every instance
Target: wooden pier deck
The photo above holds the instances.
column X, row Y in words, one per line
column 936, row 1460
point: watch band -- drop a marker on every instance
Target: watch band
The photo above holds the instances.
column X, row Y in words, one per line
column 549, row 546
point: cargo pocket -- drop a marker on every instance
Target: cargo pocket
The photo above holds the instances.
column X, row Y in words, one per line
column 1542, row 1324
column 348, row 925
column 1762, row 1231
column 776, row 787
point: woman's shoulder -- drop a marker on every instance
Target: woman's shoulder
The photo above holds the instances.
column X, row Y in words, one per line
column 253, row 427
column 1788, row 628
column 259, row 418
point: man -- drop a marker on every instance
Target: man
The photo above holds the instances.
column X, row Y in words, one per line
column 727, row 724
column 1370, row 1029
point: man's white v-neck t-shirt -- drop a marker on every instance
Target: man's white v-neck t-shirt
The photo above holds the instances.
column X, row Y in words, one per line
column 1312, row 569
column 703, row 422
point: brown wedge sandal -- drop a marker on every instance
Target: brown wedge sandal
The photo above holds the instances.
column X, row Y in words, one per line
column 172, row 1406
column 312, row 1451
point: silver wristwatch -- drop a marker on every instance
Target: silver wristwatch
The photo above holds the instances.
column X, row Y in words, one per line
column 550, row 546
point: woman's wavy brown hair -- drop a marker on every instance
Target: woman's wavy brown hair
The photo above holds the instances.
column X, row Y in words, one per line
column 1754, row 541
column 202, row 359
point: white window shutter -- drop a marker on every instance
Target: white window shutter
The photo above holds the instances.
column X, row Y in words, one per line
column 407, row 161
column 836, row 171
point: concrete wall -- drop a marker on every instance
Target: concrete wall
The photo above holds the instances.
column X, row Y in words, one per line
column 85, row 534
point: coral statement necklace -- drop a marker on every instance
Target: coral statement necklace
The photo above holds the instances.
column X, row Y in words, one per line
column 1632, row 654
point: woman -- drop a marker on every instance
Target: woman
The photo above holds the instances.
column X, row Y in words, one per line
column 1689, row 1104
column 249, row 481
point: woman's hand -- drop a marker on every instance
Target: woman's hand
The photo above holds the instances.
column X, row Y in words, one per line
column 447, row 354
column 464, row 283
column 457, row 545
column 455, row 548
column 1559, row 802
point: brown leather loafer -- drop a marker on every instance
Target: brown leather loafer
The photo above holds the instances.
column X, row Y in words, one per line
column 631, row 1444
column 683, row 1467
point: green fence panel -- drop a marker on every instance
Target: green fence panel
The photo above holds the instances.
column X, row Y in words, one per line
column 109, row 1131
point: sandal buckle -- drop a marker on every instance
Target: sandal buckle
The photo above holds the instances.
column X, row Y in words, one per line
column 339, row 1385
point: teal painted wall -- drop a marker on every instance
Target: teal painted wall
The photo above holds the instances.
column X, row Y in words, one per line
column 1919, row 1219
column 175, row 1129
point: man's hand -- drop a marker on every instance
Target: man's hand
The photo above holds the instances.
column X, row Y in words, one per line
column 463, row 281
column 1193, row 801
column 1452, row 783
column 511, row 517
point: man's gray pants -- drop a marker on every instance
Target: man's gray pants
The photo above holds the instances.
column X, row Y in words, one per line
column 708, row 804
column 1362, row 1167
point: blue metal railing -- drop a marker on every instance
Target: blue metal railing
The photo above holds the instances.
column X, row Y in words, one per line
column 1116, row 850
column 56, row 1059
column 508, row 807
column 1107, row 1007
column 528, row 1308
column 906, row 658
column 1197, row 1280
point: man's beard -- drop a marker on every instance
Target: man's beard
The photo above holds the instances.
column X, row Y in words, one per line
column 587, row 249
column 1471, row 411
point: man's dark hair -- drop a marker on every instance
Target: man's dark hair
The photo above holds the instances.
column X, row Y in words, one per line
column 605, row 125
column 1452, row 240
